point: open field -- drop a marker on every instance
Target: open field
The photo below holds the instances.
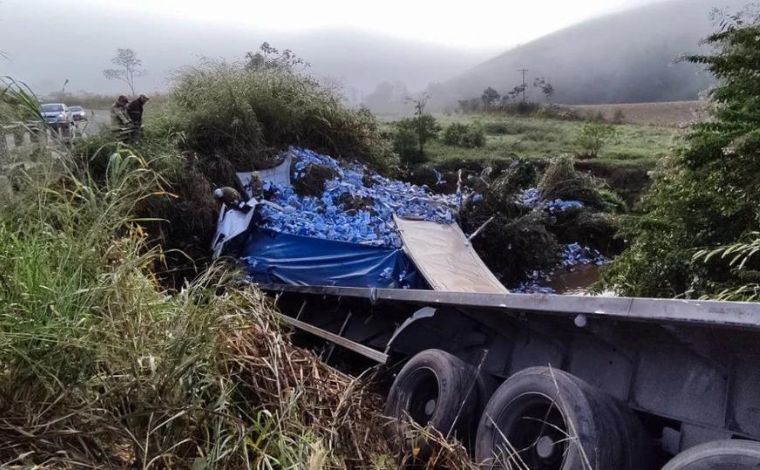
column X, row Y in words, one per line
column 673, row 113
column 506, row 136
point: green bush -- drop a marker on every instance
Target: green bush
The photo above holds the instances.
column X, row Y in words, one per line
column 593, row 136
column 242, row 114
column 464, row 135
column 454, row 133
column 406, row 145
column 411, row 136
column 705, row 198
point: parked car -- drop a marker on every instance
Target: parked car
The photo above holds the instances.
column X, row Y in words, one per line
column 77, row 113
column 56, row 115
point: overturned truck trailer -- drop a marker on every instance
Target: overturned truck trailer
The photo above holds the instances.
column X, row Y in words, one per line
column 531, row 381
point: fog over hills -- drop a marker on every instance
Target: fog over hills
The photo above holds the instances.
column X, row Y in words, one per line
column 45, row 46
column 625, row 57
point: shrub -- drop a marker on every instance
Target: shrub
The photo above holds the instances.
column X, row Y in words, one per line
column 411, row 136
column 593, row 136
column 244, row 113
column 454, row 133
column 406, row 145
column 464, row 135
column 474, row 137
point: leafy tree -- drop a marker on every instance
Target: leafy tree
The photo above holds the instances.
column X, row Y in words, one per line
column 424, row 124
column 708, row 196
column 489, row 98
column 128, row 67
column 516, row 91
column 546, row 88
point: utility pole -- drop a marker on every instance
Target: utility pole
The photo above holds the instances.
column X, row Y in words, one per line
column 524, row 86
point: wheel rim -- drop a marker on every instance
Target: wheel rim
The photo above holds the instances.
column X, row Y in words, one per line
column 423, row 401
column 532, row 433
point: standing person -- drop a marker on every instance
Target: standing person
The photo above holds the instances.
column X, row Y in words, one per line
column 121, row 125
column 135, row 112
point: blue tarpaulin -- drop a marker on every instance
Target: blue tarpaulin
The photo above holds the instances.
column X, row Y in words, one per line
column 274, row 257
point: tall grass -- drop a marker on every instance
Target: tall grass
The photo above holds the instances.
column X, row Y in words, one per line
column 242, row 114
column 99, row 366
column 17, row 101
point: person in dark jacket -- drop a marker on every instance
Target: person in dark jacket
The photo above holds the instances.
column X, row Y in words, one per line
column 135, row 110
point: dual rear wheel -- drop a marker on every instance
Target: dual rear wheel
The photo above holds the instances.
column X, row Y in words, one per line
column 540, row 418
column 546, row 419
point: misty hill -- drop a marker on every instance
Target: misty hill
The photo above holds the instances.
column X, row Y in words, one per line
column 46, row 43
column 625, row 57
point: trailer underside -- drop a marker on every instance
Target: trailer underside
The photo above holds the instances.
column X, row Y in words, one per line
column 688, row 368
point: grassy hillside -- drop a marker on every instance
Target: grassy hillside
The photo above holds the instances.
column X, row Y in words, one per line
column 626, row 57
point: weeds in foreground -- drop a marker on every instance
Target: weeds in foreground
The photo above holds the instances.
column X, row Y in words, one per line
column 99, row 366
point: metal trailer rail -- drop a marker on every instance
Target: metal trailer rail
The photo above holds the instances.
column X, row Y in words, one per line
column 688, row 369
column 705, row 312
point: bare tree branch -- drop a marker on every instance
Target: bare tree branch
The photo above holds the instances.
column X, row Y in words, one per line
column 128, row 68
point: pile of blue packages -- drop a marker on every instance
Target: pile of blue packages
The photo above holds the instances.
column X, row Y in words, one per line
column 531, row 197
column 574, row 254
column 324, row 217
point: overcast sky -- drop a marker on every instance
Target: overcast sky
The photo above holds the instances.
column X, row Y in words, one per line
column 357, row 42
column 488, row 24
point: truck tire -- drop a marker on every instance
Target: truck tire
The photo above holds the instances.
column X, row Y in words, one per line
column 546, row 419
column 733, row 454
column 434, row 388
